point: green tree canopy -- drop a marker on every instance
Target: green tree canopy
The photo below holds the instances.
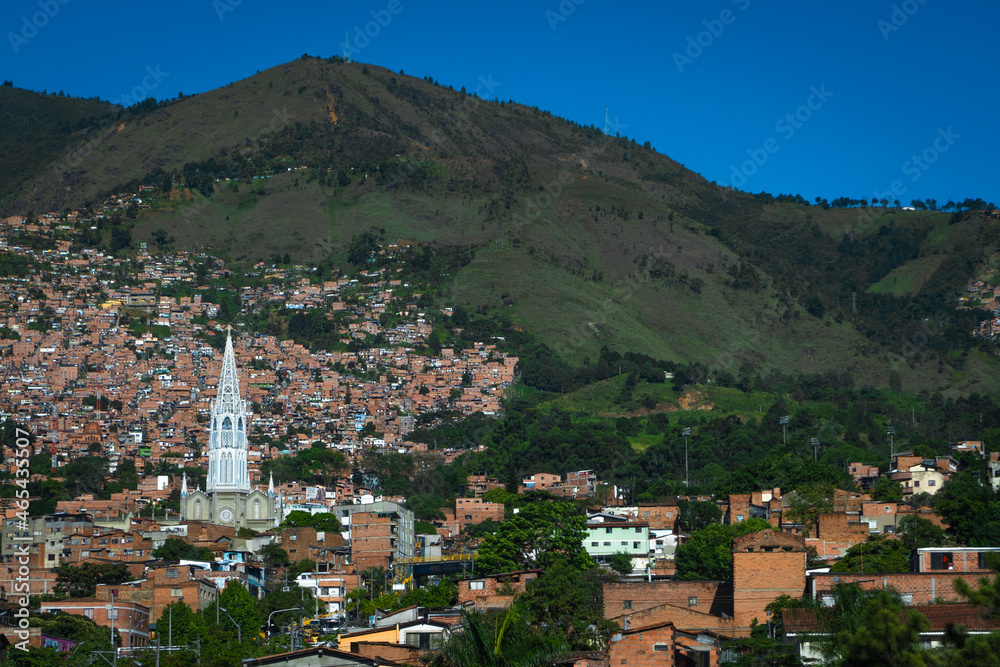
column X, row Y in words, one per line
column 881, row 554
column 708, row 553
column 540, row 535
column 696, row 514
column 887, row 491
column 174, row 548
column 79, row 581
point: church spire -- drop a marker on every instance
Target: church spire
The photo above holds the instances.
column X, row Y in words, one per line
column 227, row 440
column 228, row 398
column 270, row 486
column 184, row 485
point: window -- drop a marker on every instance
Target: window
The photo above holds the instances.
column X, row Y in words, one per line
column 626, row 604
column 916, row 482
column 477, row 585
column 692, row 602
column 624, row 543
column 607, row 530
column 171, row 573
column 89, row 613
column 932, row 482
column 942, row 561
column 638, row 530
column 177, row 592
column 113, row 614
column 739, row 517
column 607, row 544
column 595, row 544
column 635, row 545
column 84, row 554
column 886, row 508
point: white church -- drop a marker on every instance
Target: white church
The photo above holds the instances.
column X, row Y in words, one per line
column 228, row 499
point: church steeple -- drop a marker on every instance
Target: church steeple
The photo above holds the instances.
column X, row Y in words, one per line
column 270, row 486
column 184, row 485
column 227, row 441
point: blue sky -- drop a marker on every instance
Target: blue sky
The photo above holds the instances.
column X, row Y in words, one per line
column 818, row 99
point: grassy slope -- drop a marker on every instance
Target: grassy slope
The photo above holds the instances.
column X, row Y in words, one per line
column 576, row 271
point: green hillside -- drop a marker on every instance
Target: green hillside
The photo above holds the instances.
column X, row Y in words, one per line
column 586, row 240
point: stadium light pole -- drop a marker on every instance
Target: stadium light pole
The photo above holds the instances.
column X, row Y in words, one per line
column 686, row 433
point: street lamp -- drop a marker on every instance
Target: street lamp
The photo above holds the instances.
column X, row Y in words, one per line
column 277, row 611
column 891, row 432
column 784, row 422
column 239, row 632
column 686, row 433
column 815, row 445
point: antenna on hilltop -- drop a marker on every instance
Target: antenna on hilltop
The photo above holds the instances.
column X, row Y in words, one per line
column 607, row 120
column 347, row 45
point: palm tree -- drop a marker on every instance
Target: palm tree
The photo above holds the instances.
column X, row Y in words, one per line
column 358, row 604
column 496, row 639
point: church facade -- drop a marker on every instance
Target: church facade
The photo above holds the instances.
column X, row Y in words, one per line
column 228, row 499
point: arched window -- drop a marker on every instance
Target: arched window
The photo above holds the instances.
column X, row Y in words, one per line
column 256, row 509
column 227, row 424
column 241, row 423
column 197, row 510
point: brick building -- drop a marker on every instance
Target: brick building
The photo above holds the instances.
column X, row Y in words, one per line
column 496, row 591
column 472, row 511
column 380, row 538
column 302, row 543
column 129, row 619
column 766, row 565
column 663, row 645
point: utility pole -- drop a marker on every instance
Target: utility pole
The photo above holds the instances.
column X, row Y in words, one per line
column 815, row 445
column 784, row 422
column 687, row 479
column 891, row 432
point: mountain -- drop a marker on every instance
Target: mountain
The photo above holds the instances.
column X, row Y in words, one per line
column 586, row 240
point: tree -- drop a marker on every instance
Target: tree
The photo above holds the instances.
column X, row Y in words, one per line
column 708, row 553
column 174, row 548
column 694, row 515
column 887, row 491
column 242, row 606
column 540, row 535
column 621, row 562
column 881, row 554
column 77, row 581
column 971, row 510
column 571, row 603
column 888, row 634
column 808, row 502
column 274, row 556
column 498, row 638
column 918, row 532
column 182, row 625
column 357, row 604
column 321, row 521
